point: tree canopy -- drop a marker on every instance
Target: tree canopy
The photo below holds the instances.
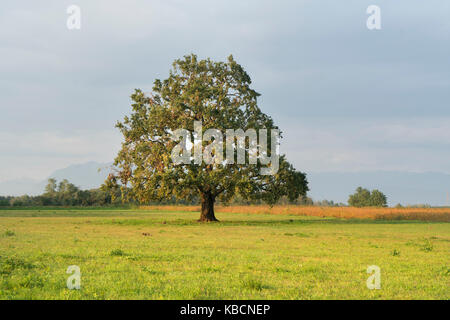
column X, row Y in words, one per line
column 218, row 96
column 364, row 198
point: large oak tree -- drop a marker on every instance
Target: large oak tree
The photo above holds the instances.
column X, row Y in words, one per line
column 219, row 95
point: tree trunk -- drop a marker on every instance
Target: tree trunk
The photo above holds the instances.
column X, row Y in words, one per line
column 207, row 213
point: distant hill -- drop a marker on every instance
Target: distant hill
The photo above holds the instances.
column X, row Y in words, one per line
column 88, row 175
column 85, row 176
column 400, row 187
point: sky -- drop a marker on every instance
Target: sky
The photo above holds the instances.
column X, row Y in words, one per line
column 346, row 98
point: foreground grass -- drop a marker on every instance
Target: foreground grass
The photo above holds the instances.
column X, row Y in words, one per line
column 139, row 254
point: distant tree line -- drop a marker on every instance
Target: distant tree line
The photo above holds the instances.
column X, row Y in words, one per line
column 365, row 198
column 63, row 193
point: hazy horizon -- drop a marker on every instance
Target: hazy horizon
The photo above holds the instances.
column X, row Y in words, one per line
column 407, row 188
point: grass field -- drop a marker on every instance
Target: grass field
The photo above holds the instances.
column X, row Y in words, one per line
column 143, row 254
column 422, row 214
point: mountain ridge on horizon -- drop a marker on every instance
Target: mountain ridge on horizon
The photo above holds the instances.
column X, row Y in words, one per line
column 400, row 186
column 88, row 175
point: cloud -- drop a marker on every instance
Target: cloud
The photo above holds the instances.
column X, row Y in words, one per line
column 415, row 145
column 347, row 98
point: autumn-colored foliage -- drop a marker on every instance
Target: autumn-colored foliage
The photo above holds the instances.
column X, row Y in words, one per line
column 423, row 214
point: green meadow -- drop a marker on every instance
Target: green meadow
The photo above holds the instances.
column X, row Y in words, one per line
column 137, row 254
